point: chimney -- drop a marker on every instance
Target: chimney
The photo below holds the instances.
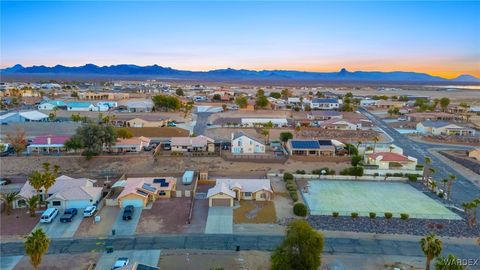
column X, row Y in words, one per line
column 231, row 137
column 49, row 140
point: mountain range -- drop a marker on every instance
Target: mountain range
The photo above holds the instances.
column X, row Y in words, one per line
column 156, row 71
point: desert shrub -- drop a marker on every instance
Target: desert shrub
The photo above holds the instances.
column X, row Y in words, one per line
column 300, row 209
column 404, row 216
column 287, row 176
column 388, row 215
column 354, row 215
column 335, row 214
column 294, row 195
column 412, row 177
column 398, row 174
column 372, row 215
column 376, row 174
column 291, row 187
column 300, row 172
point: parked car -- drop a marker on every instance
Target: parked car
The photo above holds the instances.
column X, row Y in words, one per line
column 128, row 212
column 49, row 215
column 90, row 211
column 172, row 124
column 68, row 215
column 121, row 262
column 5, row 181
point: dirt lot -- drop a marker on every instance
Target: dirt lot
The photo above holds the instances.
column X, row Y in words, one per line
column 203, row 259
column 159, row 132
column 166, row 216
column 18, row 224
column 103, row 228
column 62, row 261
column 254, row 212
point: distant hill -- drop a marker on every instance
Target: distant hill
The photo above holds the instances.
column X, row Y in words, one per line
column 156, row 71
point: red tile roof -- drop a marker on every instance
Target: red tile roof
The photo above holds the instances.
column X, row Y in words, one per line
column 389, row 156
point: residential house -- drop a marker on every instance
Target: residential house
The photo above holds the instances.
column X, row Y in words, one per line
column 80, row 106
column 147, row 121
column 387, row 104
column 474, row 153
column 443, row 128
column 306, row 147
column 251, row 122
column 138, row 192
column 192, row 144
column 19, row 117
column 391, row 161
column 102, row 96
column 50, row 105
column 325, row 104
column 245, row 144
column 47, row 144
column 138, row 105
column 67, row 192
column 135, row 145
column 434, row 116
column 109, row 104
column 368, row 102
column 294, row 101
column 341, row 124
column 226, row 191
column 324, row 115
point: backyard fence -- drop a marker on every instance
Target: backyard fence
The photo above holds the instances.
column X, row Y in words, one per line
column 254, row 158
column 382, row 214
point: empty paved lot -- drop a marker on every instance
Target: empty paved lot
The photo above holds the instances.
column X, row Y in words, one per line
column 220, row 220
column 127, row 227
column 9, row 262
column 149, row 257
column 57, row 229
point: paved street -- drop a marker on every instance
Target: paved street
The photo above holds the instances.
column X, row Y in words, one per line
column 463, row 190
column 201, row 124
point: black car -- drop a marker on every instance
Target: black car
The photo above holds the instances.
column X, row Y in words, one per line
column 128, row 212
column 68, row 215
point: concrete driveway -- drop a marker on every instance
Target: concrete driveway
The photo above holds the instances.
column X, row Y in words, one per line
column 149, row 257
column 56, row 229
column 9, row 262
column 127, row 227
column 219, row 220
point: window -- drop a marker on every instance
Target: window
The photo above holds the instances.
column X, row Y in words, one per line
column 247, row 194
column 263, row 196
column 162, row 193
column 56, row 203
column 251, row 142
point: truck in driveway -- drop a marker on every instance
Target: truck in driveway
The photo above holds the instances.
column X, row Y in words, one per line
column 128, row 212
column 68, row 215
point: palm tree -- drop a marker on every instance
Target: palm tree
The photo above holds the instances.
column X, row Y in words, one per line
column 444, row 181
column 375, row 140
column 448, row 263
column 266, row 133
column 32, row 204
column 426, row 169
column 9, row 198
column 431, row 247
column 49, row 177
column 36, row 245
column 451, row 179
column 36, row 181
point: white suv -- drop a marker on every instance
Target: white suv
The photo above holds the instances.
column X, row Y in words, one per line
column 89, row 211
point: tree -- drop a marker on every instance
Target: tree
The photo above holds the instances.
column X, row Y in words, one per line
column 426, row 169
column 49, row 177
column 266, row 134
column 94, row 137
column 444, row 102
column 36, row 245
column 36, row 181
column 224, row 107
column 241, row 102
column 261, row 101
column 286, row 93
column 355, row 160
column 275, row 95
column 451, row 179
column 260, row 92
column 74, row 95
column 32, row 205
column 375, row 140
column 8, row 199
column 74, row 143
column 448, row 263
column 301, row 249
column 285, row 136
column 166, row 103
column 18, row 141
column 217, row 97
column 179, row 92
column 431, row 247
column 124, row 133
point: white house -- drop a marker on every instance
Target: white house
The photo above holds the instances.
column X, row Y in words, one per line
column 67, row 192
column 51, row 105
column 368, row 102
column 325, row 104
column 341, row 124
column 226, row 191
column 278, row 122
column 80, row 106
column 391, row 161
column 244, row 144
column 443, row 128
column 30, row 116
column 295, row 101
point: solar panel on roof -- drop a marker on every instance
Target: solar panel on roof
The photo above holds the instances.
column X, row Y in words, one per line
column 142, row 193
column 158, row 180
column 305, row 144
column 164, row 184
column 149, row 188
column 325, row 142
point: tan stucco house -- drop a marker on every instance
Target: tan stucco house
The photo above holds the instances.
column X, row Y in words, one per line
column 226, row 191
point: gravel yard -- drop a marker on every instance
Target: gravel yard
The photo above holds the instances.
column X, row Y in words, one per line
column 108, row 215
column 165, row 216
column 18, row 224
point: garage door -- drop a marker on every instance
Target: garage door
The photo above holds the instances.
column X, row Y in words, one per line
column 78, row 204
column 134, row 202
column 220, row 202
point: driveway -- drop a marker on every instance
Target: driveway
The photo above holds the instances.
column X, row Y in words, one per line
column 9, row 262
column 127, row 227
column 219, row 220
column 56, row 229
column 149, row 257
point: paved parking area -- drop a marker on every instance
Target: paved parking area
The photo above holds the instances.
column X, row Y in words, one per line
column 56, row 229
column 149, row 257
column 127, row 227
column 9, row 262
column 219, row 220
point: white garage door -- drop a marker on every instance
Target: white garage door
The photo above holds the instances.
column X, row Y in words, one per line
column 134, row 202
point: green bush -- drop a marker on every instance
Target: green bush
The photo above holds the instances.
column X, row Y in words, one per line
column 327, row 170
column 404, row 216
column 287, row 176
column 412, row 177
column 376, row 174
column 354, row 215
column 335, row 214
column 300, row 172
column 300, row 209
column 388, row 215
column 372, row 215
column 291, row 187
column 294, row 195
column 398, row 174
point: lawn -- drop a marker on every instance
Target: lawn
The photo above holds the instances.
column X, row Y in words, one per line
column 254, row 212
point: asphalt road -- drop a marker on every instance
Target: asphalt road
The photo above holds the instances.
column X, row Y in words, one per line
column 245, row 242
column 462, row 191
column 201, row 124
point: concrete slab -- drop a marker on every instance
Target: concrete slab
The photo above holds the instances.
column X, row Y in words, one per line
column 57, row 229
column 149, row 257
column 9, row 262
column 219, row 220
column 127, row 227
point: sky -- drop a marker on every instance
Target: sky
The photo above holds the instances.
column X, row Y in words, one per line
column 439, row 38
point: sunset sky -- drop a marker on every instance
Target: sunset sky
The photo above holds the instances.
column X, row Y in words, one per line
column 439, row 38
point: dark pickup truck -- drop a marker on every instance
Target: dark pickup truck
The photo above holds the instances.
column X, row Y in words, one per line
column 68, row 215
column 128, row 212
